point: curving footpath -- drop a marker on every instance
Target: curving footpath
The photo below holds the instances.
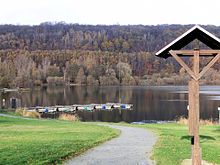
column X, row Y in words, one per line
column 132, row 147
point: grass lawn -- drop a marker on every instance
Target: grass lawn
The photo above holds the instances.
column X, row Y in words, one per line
column 8, row 112
column 174, row 145
column 47, row 141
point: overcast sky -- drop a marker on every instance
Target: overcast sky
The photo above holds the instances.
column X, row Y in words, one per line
column 123, row 12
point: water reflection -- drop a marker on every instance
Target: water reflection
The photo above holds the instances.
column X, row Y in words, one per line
column 150, row 103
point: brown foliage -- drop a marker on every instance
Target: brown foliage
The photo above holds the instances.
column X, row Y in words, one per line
column 184, row 121
column 25, row 113
column 68, row 117
column 55, row 81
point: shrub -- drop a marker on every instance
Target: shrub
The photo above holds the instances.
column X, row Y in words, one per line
column 19, row 111
column 92, row 81
column 68, row 117
column 25, row 113
column 184, row 121
column 110, row 80
column 37, row 82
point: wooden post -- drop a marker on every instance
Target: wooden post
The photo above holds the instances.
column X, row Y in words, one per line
column 191, row 101
column 210, row 40
column 196, row 154
column 219, row 115
column 0, row 100
column 193, row 113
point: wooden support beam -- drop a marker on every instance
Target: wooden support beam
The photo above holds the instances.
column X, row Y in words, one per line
column 209, row 65
column 183, row 64
column 193, row 117
column 191, row 101
column 196, row 62
column 184, row 52
column 196, row 154
column 201, row 52
column 0, row 99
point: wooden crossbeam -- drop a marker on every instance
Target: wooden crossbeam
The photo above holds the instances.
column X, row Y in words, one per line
column 183, row 64
column 209, row 65
column 201, row 52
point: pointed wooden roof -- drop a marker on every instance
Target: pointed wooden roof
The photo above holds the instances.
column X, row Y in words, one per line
column 196, row 32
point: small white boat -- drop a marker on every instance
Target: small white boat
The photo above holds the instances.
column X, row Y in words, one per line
column 80, row 107
column 88, row 108
column 110, row 104
column 106, row 107
column 72, row 109
column 98, row 106
column 126, row 106
column 51, row 109
column 116, row 105
column 64, row 109
column 41, row 109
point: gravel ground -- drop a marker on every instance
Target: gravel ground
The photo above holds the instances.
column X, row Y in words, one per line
column 132, row 147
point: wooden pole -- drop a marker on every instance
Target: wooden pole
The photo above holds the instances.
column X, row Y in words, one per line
column 196, row 154
column 219, row 115
column 0, row 99
column 191, row 101
column 193, row 113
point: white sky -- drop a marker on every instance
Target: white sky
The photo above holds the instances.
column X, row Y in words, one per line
column 123, row 12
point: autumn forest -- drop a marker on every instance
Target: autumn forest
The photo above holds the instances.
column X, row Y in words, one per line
column 73, row 54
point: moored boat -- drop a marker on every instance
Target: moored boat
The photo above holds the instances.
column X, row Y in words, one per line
column 126, row 106
column 106, row 107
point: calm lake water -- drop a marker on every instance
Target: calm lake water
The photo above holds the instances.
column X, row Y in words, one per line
column 150, row 103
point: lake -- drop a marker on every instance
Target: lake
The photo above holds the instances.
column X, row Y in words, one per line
column 150, row 103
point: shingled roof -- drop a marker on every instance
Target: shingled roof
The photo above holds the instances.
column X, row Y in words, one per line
column 196, row 32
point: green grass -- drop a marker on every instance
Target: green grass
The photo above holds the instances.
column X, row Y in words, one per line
column 174, row 145
column 8, row 112
column 47, row 141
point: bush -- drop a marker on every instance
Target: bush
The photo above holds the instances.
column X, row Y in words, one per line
column 19, row 111
column 68, row 117
column 37, row 82
column 128, row 80
column 184, row 121
column 92, row 81
column 111, row 80
column 25, row 113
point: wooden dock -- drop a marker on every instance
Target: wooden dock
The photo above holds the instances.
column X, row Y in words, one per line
column 78, row 107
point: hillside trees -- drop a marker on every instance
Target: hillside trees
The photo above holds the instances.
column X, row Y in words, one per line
column 81, row 78
column 7, row 73
column 28, row 68
column 23, row 66
column 114, row 38
column 59, row 54
column 71, row 72
column 124, row 74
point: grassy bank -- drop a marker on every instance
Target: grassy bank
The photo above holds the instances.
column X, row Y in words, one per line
column 174, row 146
column 47, row 141
column 8, row 112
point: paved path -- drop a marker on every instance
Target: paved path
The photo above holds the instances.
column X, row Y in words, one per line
column 132, row 147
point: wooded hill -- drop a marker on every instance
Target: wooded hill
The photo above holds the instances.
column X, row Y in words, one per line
column 94, row 55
